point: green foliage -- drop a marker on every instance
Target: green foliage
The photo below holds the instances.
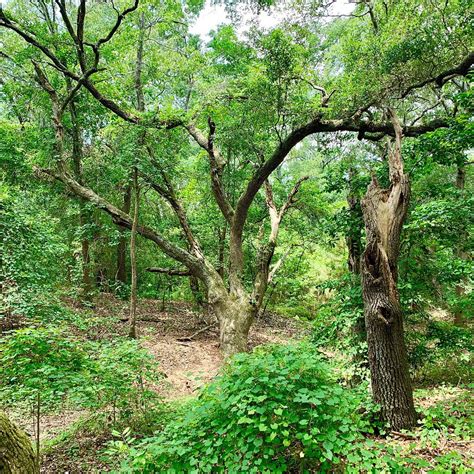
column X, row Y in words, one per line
column 450, row 418
column 30, row 246
column 339, row 323
column 64, row 369
column 44, row 360
column 275, row 410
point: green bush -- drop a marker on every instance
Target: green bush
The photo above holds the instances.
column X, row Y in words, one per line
column 62, row 368
column 441, row 352
column 274, row 410
column 44, row 360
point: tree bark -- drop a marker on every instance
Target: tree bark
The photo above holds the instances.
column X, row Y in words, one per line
column 353, row 237
column 384, row 212
column 16, row 452
column 84, row 215
column 235, row 315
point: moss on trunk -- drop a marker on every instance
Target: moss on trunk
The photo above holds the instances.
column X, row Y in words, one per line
column 16, row 452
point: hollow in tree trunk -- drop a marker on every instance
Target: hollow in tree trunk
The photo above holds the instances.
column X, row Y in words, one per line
column 384, row 212
column 16, row 452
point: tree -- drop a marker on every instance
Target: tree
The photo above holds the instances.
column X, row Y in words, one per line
column 259, row 100
column 384, row 212
column 16, row 452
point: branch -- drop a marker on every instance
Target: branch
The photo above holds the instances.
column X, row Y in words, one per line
column 118, row 22
column 324, row 95
column 57, row 64
column 291, row 197
column 122, row 219
column 395, row 156
column 216, row 166
column 169, row 271
column 169, row 195
column 318, row 125
column 29, row 38
column 461, row 69
column 278, row 265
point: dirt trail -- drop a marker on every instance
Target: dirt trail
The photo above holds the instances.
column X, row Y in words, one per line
column 186, row 364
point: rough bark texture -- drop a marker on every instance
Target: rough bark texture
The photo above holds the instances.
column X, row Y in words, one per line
column 353, row 237
column 84, row 216
column 16, row 452
column 384, row 211
column 235, row 315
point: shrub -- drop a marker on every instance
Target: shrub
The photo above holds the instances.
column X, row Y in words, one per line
column 274, row 410
column 51, row 362
column 42, row 360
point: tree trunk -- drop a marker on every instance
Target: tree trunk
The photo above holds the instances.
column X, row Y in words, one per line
column 221, row 250
column 235, row 318
column 353, row 239
column 234, row 313
column 122, row 246
column 384, row 211
column 133, row 260
column 459, row 319
column 16, row 452
column 84, row 215
column 196, row 291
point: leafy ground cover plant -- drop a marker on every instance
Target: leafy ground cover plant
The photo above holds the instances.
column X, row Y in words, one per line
column 293, row 416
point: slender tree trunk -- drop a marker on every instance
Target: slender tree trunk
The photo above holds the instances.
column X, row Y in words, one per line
column 353, row 238
column 16, row 452
column 140, row 103
column 384, row 212
column 354, row 252
column 221, row 250
column 133, row 259
column 196, row 291
column 84, row 215
column 122, row 245
column 459, row 319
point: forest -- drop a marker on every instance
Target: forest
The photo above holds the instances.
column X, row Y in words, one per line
column 236, row 236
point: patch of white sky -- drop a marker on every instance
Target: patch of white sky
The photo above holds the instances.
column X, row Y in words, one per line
column 212, row 16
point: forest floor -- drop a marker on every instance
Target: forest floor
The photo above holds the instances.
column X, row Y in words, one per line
column 185, row 344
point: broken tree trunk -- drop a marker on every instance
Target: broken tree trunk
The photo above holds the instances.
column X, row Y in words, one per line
column 384, row 212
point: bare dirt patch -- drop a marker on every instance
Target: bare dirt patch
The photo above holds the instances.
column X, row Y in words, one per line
column 185, row 342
